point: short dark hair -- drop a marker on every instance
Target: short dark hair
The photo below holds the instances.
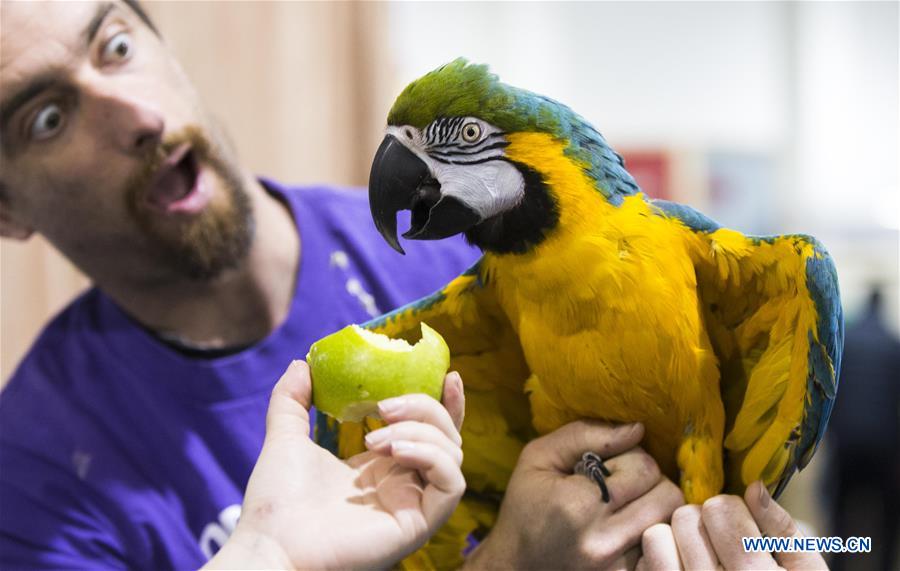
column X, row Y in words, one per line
column 139, row 10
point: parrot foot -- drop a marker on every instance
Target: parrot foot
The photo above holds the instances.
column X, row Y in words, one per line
column 591, row 466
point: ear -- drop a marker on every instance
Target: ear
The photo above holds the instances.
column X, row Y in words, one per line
column 9, row 226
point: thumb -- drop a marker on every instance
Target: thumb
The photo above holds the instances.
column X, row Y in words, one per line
column 774, row 521
column 562, row 448
column 289, row 404
column 454, row 398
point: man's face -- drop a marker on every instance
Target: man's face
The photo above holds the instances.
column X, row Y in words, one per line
column 107, row 151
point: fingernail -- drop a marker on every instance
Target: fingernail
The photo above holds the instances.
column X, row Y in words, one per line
column 376, row 437
column 402, row 446
column 764, row 496
column 456, row 380
column 391, row 405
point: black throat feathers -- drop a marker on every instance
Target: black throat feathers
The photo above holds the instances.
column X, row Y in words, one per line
column 518, row 230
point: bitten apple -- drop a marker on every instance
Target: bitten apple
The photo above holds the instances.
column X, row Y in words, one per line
column 354, row 368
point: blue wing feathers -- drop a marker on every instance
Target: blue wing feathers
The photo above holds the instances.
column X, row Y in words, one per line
column 688, row 216
column 824, row 354
column 412, row 308
column 824, row 357
column 326, row 433
column 822, row 283
column 421, row 304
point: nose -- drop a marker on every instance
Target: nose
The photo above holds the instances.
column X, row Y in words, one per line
column 126, row 117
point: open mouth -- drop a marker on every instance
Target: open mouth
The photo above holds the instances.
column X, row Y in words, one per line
column 427, row 196
column 176, row 186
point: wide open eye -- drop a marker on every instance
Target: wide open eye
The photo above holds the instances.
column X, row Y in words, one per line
column 118, row 48
column 471, row 132
column 47, row 122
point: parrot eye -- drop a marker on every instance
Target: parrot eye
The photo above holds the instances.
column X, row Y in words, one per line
column 471, row 132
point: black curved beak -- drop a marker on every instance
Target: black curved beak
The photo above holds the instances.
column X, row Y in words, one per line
column 400, row 180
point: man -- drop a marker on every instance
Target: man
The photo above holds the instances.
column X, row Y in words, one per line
column 129, row 431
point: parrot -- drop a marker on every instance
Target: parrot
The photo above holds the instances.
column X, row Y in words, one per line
column 593, row 301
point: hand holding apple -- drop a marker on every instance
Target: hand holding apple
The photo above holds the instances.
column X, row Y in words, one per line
column 304, row 508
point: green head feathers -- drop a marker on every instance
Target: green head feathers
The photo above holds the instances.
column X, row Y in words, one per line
column 461, row 89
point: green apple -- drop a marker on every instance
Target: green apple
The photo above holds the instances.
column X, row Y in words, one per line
column 355, row 368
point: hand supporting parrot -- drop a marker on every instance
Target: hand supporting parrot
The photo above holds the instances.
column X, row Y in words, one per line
column 593, row 301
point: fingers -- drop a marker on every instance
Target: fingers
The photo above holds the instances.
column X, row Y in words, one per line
column 633, row 474
column 420, row 408
column 444, row 482
column 289, row 404
column 660, row 550
column 562, row 448
column 727, row 520
column 694, row 547
column 656, row 506
column 774, row 521
column 409, row 430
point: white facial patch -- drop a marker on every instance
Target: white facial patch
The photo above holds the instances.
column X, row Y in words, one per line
column 488, row 188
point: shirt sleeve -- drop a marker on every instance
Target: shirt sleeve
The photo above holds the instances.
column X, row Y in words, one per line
column 47, row 518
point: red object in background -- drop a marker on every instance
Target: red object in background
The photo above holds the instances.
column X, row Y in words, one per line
column 651, row 171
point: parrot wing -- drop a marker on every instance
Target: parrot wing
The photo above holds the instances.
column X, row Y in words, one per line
column 774, row 318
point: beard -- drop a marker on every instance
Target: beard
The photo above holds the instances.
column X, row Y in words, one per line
column 203, row 246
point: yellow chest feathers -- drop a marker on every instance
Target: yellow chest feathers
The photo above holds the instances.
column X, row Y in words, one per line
column 611, row 291
column 600, row 258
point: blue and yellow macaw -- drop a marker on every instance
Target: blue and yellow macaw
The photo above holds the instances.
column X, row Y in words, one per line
column 593, row 301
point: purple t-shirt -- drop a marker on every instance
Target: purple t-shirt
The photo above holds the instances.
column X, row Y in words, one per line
column 118, row 451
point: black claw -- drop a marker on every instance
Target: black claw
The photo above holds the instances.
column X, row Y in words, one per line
column 592, row 466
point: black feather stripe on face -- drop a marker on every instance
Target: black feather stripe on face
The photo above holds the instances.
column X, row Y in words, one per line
column 518, row 230
column 465, row 152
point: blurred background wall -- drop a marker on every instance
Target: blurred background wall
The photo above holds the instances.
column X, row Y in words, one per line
column 771, row 117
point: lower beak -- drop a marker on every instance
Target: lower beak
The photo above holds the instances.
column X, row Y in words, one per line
column 400, row 180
